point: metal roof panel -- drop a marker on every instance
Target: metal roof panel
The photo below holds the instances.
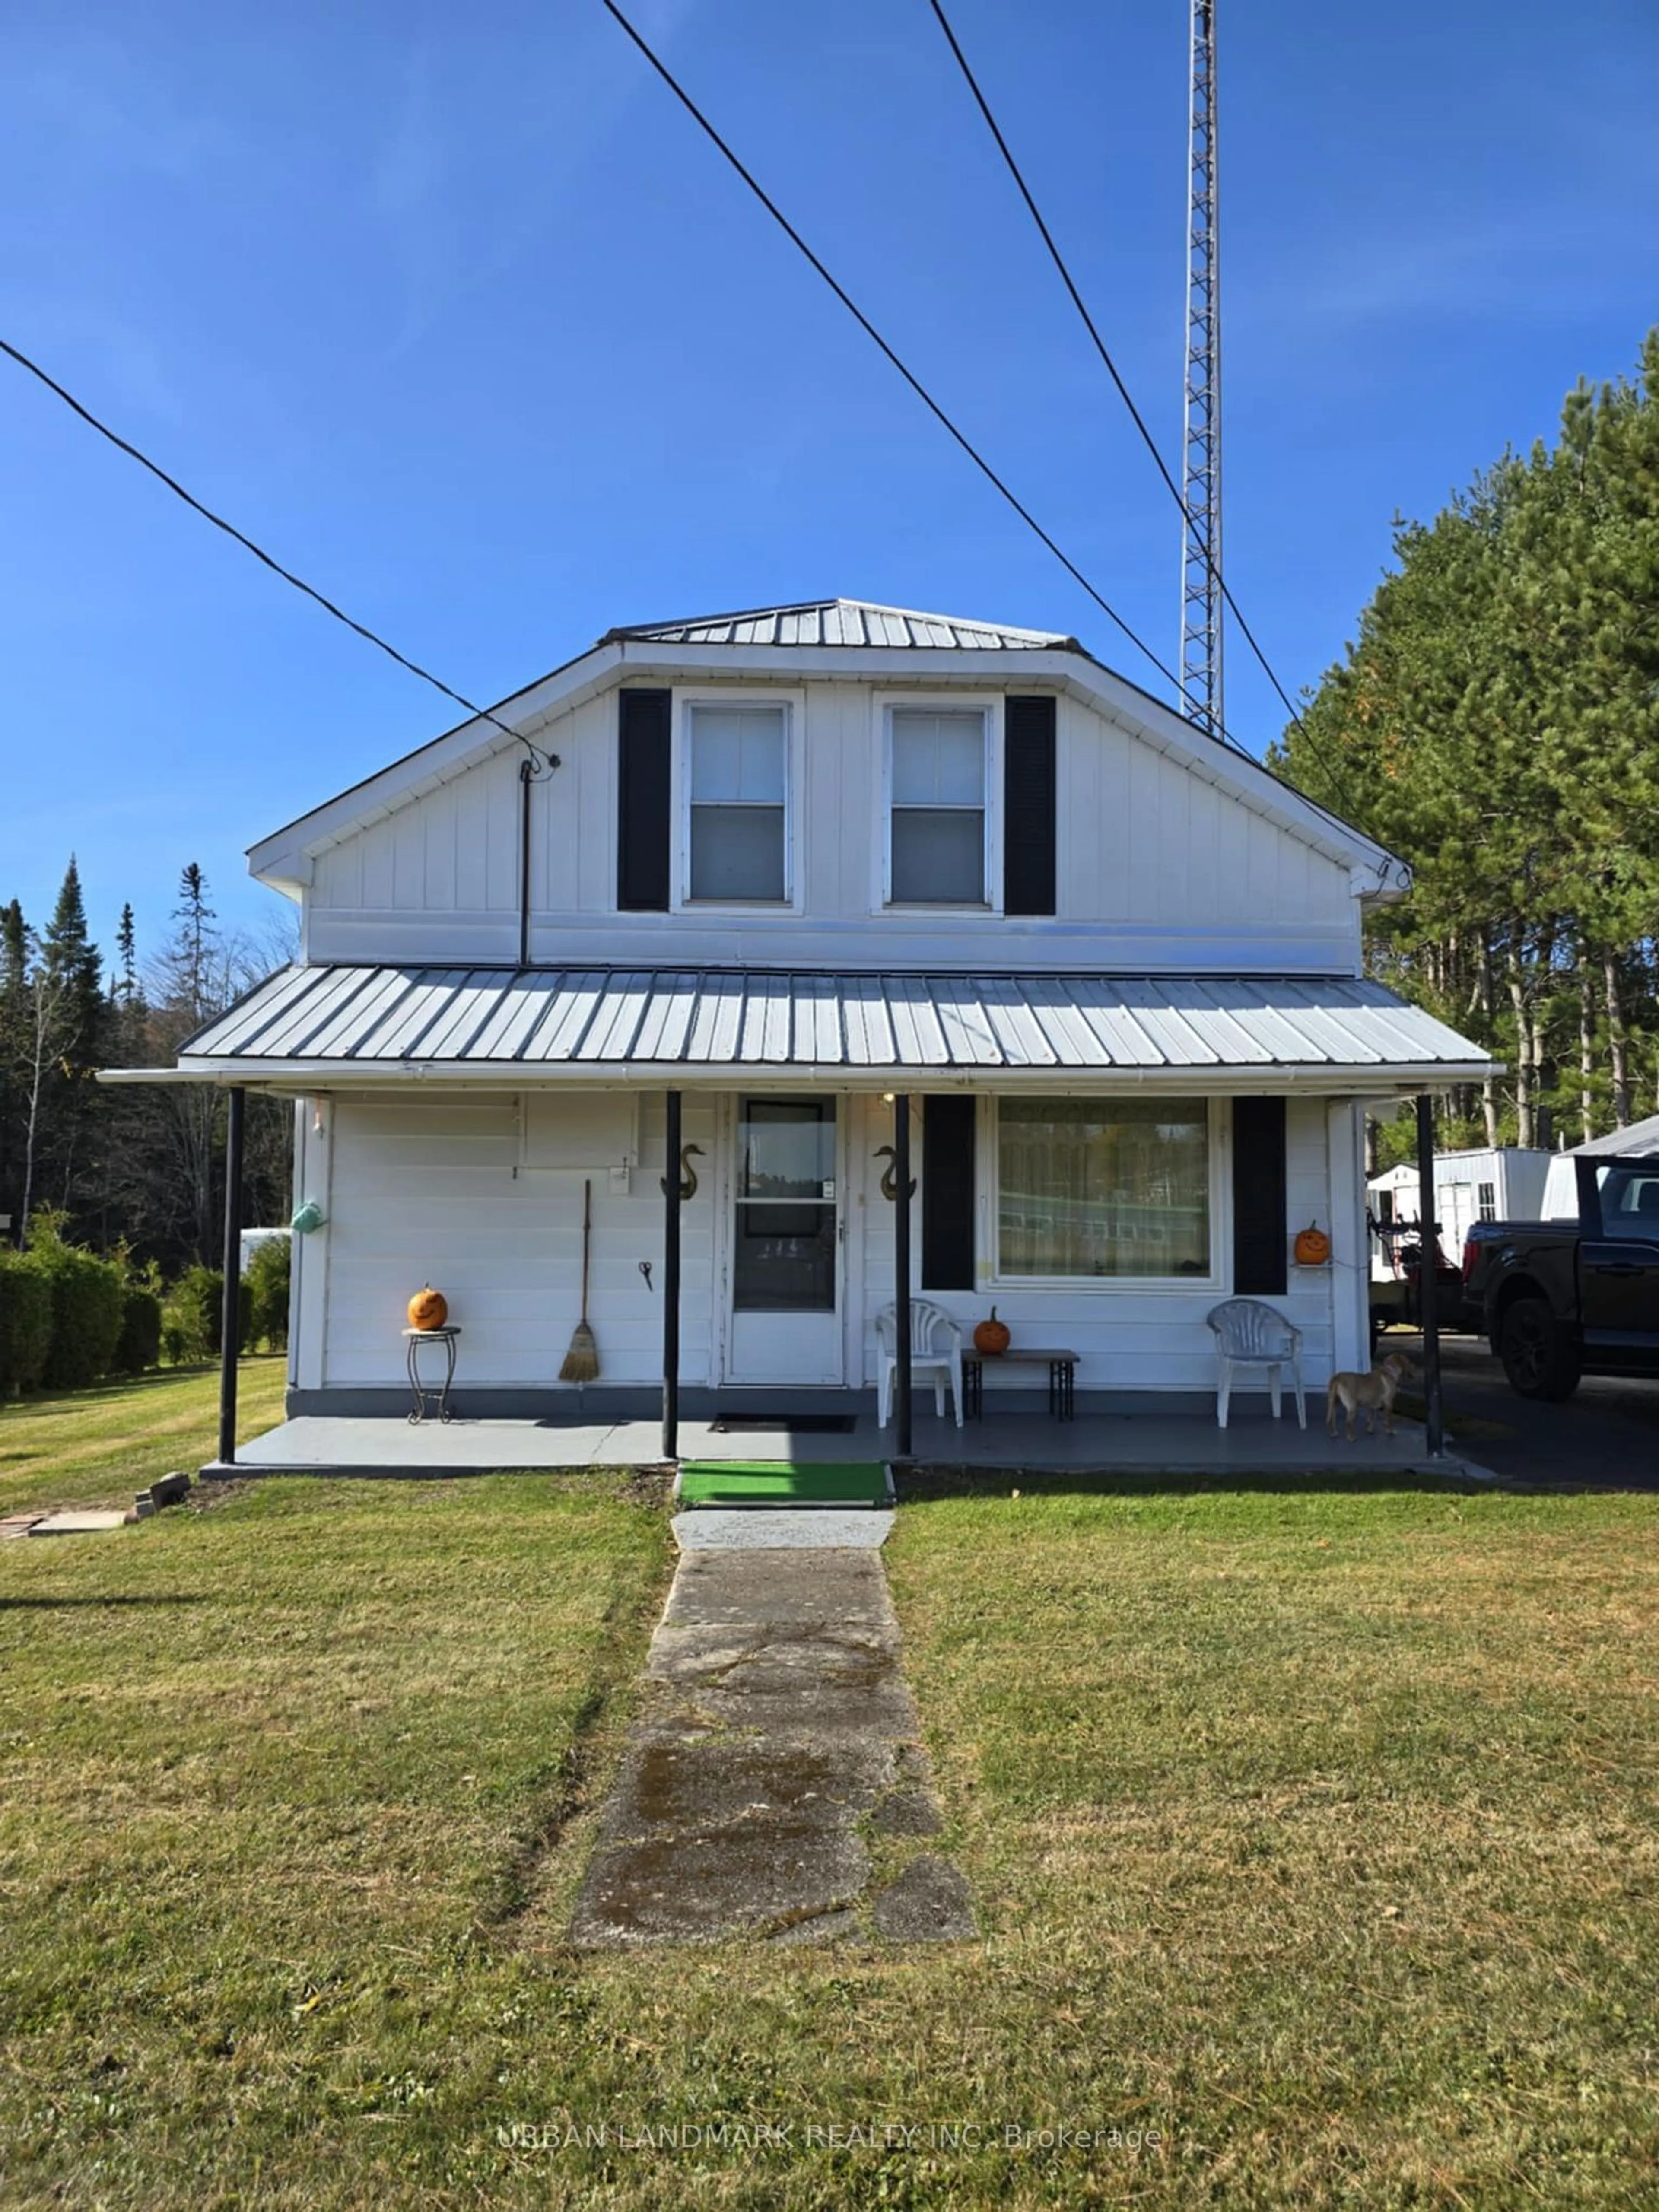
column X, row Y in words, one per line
column 770, row 1018
column 857, row 622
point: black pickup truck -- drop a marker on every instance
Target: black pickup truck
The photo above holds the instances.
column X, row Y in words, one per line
column 1557, row 1301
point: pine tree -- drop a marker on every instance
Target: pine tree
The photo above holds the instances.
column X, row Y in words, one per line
column 72, row 957
column 125, row 983
column 15, row 1023
column 174, row 1173
column 1496, row 722
column 193, row 959
column 71, row 1027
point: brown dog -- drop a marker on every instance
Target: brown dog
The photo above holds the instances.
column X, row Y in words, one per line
column 1372, row 1393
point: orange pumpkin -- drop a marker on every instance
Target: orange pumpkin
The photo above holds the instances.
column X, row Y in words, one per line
column 991, row 1335
column 1313, row 1246
column 428, row 1308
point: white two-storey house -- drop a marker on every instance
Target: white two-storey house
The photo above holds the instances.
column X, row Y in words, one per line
column 784, row 881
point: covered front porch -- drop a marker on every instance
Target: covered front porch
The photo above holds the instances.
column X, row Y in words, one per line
column 1175, row 1443
column 776, row 1168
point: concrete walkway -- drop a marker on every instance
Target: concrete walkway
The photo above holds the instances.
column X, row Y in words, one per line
column 774, row 1788
column 754, row 1528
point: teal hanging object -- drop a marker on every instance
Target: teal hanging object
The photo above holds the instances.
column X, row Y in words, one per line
column 309, row 1217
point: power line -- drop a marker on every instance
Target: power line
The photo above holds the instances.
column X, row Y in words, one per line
column 481, row 714
column 1100, row 345
column 972, row 452
column 875, row 335
column 1111, row 368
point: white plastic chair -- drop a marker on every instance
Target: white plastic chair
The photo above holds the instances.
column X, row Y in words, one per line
column 935, row 1354
column 1248, row 1334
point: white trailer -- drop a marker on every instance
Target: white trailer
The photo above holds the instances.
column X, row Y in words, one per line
column 1503, row 1183
column 1639, row 1140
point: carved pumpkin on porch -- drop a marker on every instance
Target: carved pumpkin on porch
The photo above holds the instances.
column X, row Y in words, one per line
column 428, row 1308
column 991, row 1336
column 1313, row 1246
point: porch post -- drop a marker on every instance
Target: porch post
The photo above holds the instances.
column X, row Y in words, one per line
column 230, row 1312
column 901, row 1270
column 670, row 1284
column 1428, row 1286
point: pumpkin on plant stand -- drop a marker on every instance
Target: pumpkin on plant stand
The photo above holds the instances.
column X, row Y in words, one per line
column 428, row 1308
column 991, row 1336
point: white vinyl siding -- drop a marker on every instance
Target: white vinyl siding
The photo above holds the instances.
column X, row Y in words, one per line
column 432, row 1190
column 1135, row 1336
column 423, row 1189
column 1158, row 869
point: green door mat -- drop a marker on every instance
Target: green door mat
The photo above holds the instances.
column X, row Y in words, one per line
column 782, row 1482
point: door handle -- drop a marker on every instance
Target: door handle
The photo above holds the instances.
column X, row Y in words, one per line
column 1618, row 1267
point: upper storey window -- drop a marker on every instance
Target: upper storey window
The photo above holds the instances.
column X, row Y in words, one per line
column 711, row 802
column 735, row 776
column 937, row 818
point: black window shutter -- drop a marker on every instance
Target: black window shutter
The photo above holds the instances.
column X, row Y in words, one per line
column 1259, row 1232
column 1028, row 806
column 947, row 1193
column 642, row 801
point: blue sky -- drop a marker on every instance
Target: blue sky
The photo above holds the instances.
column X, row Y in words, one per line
column 454, row 310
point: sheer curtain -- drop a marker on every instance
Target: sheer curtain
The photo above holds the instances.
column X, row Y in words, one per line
column 1098, row 1187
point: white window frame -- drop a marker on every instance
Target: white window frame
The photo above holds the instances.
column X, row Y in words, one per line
column 886, row 704
column 793, row 704
column 1219, row 1112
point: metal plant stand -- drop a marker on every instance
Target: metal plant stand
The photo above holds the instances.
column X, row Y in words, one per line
column 439, row 1393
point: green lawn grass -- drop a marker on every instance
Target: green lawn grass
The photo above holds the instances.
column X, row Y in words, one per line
column 1313, row 1829
column 101, row 1445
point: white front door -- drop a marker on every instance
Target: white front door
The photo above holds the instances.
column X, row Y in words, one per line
column 784, row 1271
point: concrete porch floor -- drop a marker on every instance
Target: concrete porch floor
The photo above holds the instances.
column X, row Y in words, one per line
column 1099, row 1443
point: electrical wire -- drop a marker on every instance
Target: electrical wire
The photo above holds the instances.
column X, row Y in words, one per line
column 908, row 374
column 543, row 762
column 1111, row 368
column 481, row 713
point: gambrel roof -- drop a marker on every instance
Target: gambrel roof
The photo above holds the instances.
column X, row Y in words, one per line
column 841, row 638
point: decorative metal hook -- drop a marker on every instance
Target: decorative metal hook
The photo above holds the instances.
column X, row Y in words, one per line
column 688, row 1176
column 890, row 1175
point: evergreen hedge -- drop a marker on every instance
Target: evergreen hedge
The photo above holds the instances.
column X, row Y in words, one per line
column 68, row 1317
column 25, row 1323
column 139, row 1344
column 86, row 1299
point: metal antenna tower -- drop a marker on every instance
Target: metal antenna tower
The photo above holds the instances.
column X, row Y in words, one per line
column 1200, row 471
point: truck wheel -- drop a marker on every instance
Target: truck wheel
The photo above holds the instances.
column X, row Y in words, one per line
column 1538, row 1358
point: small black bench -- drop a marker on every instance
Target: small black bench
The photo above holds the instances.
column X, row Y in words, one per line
column 1062, row 1378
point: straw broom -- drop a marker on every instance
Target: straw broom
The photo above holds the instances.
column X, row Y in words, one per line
column 581, row 1362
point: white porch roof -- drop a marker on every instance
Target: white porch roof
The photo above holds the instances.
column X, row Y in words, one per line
column 306, row 1027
